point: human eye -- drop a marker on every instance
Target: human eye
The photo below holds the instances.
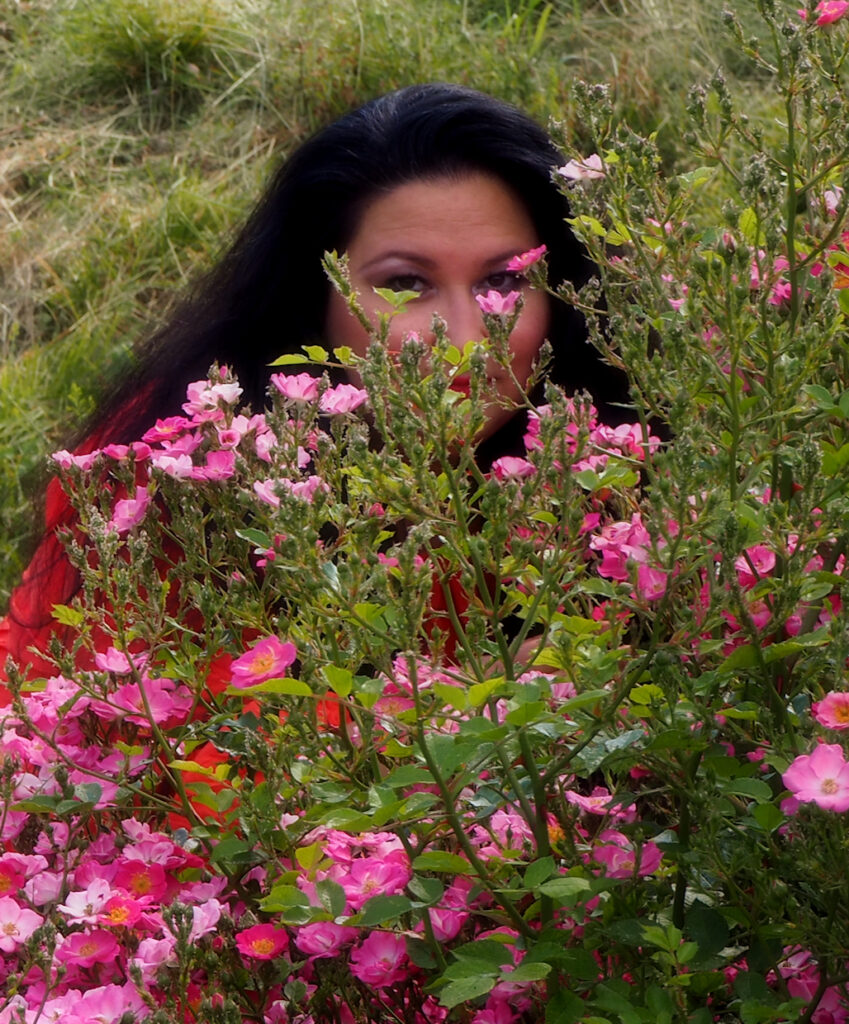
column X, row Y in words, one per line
column 502, row 281
column 405, row 283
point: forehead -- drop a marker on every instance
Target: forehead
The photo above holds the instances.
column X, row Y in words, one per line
column 475, row 211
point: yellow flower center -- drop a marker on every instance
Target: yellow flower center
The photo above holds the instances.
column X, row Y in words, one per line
column 263, row 946
column 262, row 662
column 829, row 787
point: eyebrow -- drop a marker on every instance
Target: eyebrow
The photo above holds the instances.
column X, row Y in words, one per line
column 425, row 261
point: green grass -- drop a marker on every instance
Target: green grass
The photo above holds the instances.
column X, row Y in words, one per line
column 136, row 133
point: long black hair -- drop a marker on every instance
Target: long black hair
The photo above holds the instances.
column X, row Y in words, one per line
column 268, row 294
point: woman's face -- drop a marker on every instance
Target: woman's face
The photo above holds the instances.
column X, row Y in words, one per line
column 447, row 239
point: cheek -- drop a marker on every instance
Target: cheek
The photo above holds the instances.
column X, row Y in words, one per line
column 530, row 332
column 341, row 328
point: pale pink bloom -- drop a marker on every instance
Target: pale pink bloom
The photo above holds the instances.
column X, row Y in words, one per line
column 496, row 303
column 85, row 949
column 342, row 398
column 264, row 444
column 202, row 396
column 512, row 467
column 166, row 701
column 526, row 259
column 381, row 960
column 833, row 710
column 296, row 387
column 129, row 512
column 618, row 855
column 65, row 459
column 180, row 467
column 266, row 491
column 267, row 659
column 600, row 801
column 262, row 942
column 205, row 917
column 446, row 922
column 584, row 168
column 84, row 907
column 821, row 777
column 151, row 954
column 307, row 489
column 107, row 1004
column 324, row 938
column 113, row 660
column 17, row 923
column 832, row 198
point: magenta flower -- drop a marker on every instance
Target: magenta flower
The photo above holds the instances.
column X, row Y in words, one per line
column 618, row 856
column 85, row 949
column 296, row 387
column 526, row 259
column 380, row 960
column 827, row 12
column 324, row 938
column 821, row 777
column 833, row 710
column 267, row 659
column 17, row 923
column 262, row 942
column 496, row 303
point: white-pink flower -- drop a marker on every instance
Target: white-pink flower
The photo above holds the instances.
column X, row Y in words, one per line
column 17, row 923
column 584, row 168
column 512, row 467
column 821, row 777
column 833, row 710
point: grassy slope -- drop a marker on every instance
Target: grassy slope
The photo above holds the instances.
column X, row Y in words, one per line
column 135, row 133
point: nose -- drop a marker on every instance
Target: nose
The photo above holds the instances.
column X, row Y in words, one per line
column 464, row 319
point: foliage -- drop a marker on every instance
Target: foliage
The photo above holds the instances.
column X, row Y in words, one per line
column 348, row 727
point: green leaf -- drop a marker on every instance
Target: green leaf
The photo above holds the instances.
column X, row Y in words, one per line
column 437, row 860
column 427, row 890
column 527, row 972
column 564, row 889
column 332, row 896
column 232, row 849
column 340, row 680
column 290, row 359
column 282, row 897
column 255, row 537
column 380, row 909
column 287, row 685
column 706, row 927
column 456, row 992
column 65, row 615
column 538, row 872
column 748, row 224
column 752, row 788
column 648, row 693
column 564, row 1007
column 768, row 816
column 316, row 353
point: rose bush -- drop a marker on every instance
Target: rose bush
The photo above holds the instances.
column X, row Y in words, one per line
column 346, row 726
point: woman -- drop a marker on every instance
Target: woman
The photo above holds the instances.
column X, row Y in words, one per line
column 422, row 175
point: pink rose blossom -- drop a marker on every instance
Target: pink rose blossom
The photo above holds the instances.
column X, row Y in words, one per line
column 262, row 942
column 129, row 512
column 17, row 923
column 380, row 960
column 296, row 387
column 496, row 303
column 324, row 938
column 85, row 949
column 511, row 467
column 267, row 659
column 618, row 855
column 827, row 11
column 833, row 710
column 821, row 777
column 341, row 399
column 526, row 259
column 583, row 169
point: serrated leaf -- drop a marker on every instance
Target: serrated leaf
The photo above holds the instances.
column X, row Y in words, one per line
column 331, row 895
column 290, row 359
column 456, row 992
column 437, row 860
column 285, row 685
column 380, row 909
column 340, row 680
column 565, row 888
column 65, row 615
